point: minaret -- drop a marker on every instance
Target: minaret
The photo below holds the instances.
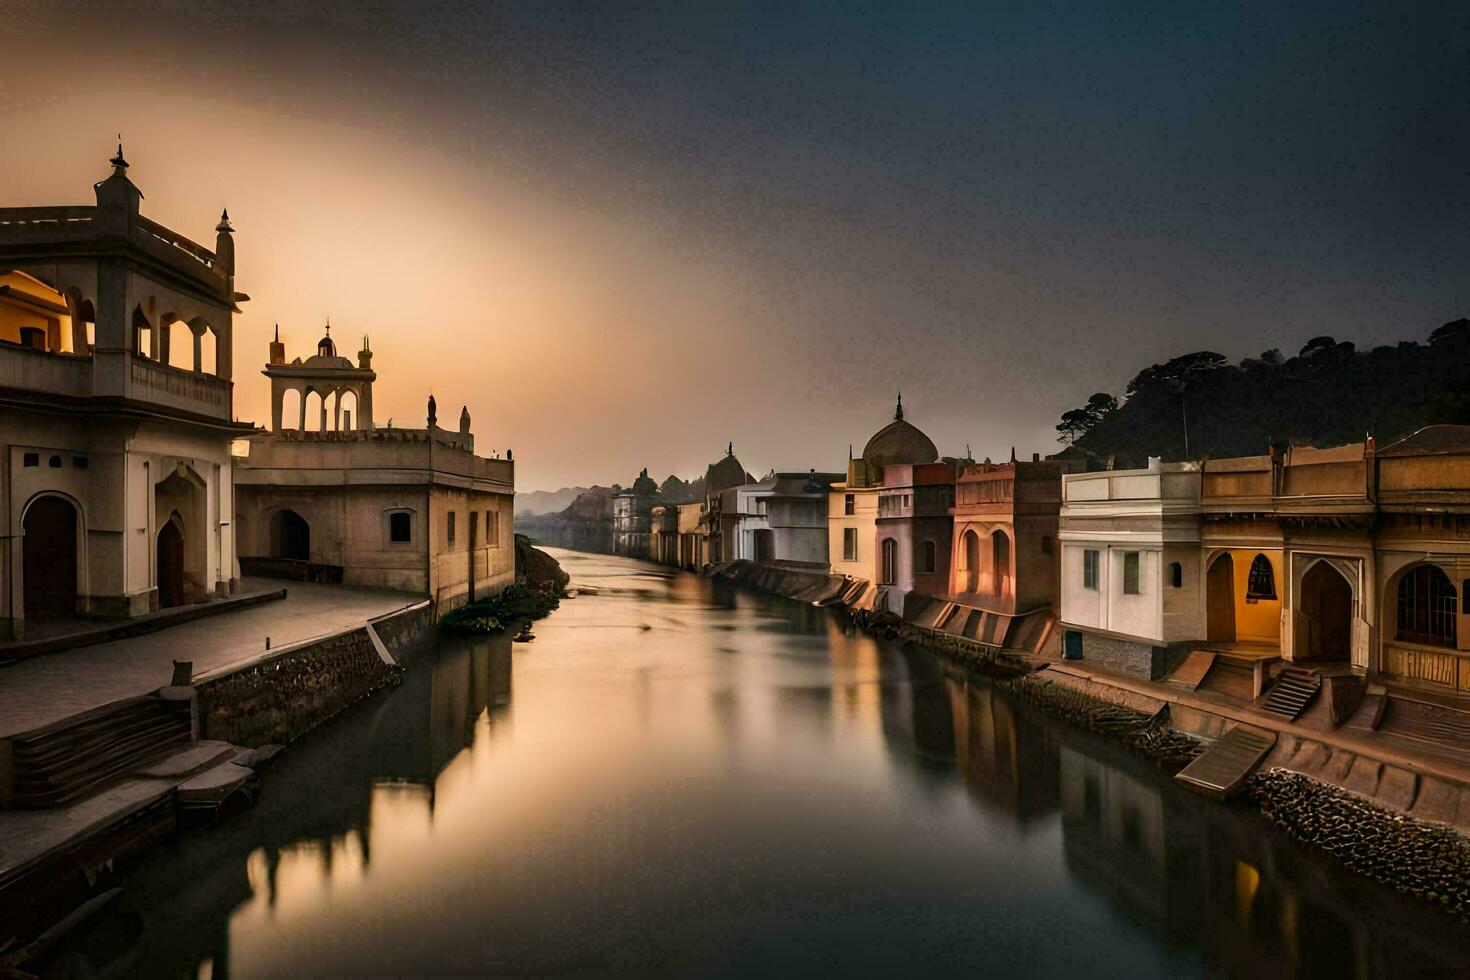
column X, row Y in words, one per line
column 224, row 248
column 278, row 349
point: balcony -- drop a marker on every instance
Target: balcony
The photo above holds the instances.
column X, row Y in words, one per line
column 171, row 387
column 27, row 369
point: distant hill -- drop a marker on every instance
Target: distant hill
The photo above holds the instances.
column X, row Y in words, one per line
column 1330, row 393
column 546, row 501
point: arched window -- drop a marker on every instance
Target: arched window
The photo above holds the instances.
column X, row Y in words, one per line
column 890, row 561
column 1426, row 607
column 1176, row 575
column 1000, row 549
column 1262, row 581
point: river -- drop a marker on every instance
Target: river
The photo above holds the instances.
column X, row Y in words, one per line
column 680, row 777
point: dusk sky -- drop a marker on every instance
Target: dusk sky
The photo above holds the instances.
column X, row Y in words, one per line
column 627, row 236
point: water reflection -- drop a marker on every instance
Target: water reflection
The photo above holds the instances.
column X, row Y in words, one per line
column 695, row 779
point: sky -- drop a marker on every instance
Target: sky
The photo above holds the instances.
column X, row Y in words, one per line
column 625, row 235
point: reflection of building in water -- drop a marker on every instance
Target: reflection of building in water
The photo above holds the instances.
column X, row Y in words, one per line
column 316, row 827
column 1007, row 758
column 1256, row 904
column 468, row 677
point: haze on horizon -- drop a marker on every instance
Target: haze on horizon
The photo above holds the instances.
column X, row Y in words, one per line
column 625, row 236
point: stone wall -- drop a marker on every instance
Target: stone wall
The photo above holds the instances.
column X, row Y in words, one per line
column 280, row 697
column 1129, row 658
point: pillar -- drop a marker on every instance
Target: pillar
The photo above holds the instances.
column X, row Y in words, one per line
column 302, row 426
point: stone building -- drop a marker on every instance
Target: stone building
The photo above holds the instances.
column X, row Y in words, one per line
column 344, row 500
column 721, row 475
column 663, row 534
column 745, row 521
column 632, row 517
column 1130, row 565
column 914, row 529
column 116, row 410
column 852, row 511
column 796, row 513
column 1004, row 556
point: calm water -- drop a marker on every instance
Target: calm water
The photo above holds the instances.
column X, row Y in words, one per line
column 680, row 778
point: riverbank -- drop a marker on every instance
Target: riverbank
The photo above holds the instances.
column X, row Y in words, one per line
column 1386, row 808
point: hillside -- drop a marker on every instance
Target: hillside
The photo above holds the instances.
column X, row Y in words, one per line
column 1328, row 394
column 546, row 501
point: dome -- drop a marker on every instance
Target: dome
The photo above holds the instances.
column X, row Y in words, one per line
column 897, row 442
column 325, row 347
column 725, row 474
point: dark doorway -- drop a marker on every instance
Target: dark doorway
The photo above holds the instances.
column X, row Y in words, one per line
column 50, row 561
column 1220, row 601
column 290, row 536
column 765, row 545
column 890, row 561
column 1327, row 607
column 171, row 564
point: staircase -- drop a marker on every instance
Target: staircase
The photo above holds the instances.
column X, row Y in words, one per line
column 1293, row 691
column 1223, row 767
column 64, row 763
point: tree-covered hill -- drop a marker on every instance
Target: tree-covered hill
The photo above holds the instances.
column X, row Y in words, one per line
column 1328, row 394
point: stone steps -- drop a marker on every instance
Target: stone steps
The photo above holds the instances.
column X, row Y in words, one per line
column 1223, row 767
column 68, row 761
column 1293, row 691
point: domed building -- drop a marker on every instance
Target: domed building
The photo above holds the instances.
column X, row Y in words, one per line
column 901, row 452
column 632, row 517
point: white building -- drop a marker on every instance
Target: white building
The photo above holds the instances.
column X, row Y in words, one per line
column 746, row 525
column 1130, row 575
column 116, row 411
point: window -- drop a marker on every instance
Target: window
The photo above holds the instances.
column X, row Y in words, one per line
column 492, row 529
column 1262, row 581
column 1176, row 575
column 930, row 557
column 31, row 459
column 79, row 462
column 54, row 462
column 849, row 504
column 1089, row 569
column 760, row 508
column 849, row 544
column 1426, row 607
column 1046, row 544
column 474, row 528
column 1130, row 573
column 890, row 561
column 400, row 526
column 449, row 529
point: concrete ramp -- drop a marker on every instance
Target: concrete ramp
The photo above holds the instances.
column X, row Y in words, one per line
column 1193, row 670
column 1224, row 766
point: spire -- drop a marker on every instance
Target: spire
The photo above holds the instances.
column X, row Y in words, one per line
column 898, row 412
column 119, row 163
column 730, row 448
column 278, row 333
column 224, row 225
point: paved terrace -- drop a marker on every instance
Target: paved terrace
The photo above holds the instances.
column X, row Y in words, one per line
column 49, row 688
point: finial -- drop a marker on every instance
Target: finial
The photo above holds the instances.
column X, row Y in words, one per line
column 433, row 411
column 730, row 448
column 119, row 164
column 329, row 325
column 1013, row 454
column 224, row 222
column 898, row 412
column 278, row 333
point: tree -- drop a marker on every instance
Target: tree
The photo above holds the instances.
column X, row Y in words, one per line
column 1079, row 421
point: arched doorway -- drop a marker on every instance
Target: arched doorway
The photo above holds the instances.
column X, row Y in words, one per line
column 890, row 561
column 1000, row 562
column 971, row 552
column 290, row 536
column 1220, row 601
column 1327, row 609
column 171, row 563
column 50, row 560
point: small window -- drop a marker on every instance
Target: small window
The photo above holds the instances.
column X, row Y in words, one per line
column 450, row 528
column 1176, row 575
column 54, row 462
column 474, row 528
column 931, row 552
column 31, row 459
column 1465, row 596
column 1130, row 573
column 400, row 527
column 79, row 462
column 849, row 544
column 849, row 504
column 492, row 529
column 1046, row 544
column 1262, row 581
column 1089, row 569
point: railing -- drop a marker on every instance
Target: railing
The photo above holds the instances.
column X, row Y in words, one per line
column 28, row 369
column 37, row 224
column 177, row 388
column 153, row 232
column 1442, row 668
